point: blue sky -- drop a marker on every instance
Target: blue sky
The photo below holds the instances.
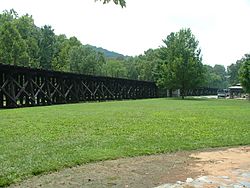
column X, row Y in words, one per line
column 221, row 26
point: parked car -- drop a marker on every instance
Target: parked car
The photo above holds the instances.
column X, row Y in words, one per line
column 222, row 93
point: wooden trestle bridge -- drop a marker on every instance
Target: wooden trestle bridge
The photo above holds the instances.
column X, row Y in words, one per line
column 20, row 86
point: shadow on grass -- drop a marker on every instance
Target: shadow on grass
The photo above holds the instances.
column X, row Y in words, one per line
column 190, row 99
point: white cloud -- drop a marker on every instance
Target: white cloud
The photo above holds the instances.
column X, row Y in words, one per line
column 221, row 26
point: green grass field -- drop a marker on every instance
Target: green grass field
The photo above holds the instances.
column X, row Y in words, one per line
column 43, row 139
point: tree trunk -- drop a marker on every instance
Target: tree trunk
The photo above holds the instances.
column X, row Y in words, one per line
column 182, row 93
column 170, row 93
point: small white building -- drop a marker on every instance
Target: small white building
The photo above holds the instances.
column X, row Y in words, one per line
column 236, row 91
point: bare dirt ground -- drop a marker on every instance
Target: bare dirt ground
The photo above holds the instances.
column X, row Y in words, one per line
column 225, row 167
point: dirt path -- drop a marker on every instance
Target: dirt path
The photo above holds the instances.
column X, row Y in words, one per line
column 228, row 167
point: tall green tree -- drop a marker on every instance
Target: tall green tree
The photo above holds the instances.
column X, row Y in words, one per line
column 85, row 60
column 114, row 68
column 147, row 65
column 30, row 34
column 181, row 66
column 46, row 47
column 132, row 68
column 60, row 61
column 63, row 46
column 13, row 49
column 233, row 72
column 245, row 74
column 211, row 78
column 220, row 72
column 8, row 16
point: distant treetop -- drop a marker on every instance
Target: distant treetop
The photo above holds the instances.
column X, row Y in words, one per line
column 117, row 2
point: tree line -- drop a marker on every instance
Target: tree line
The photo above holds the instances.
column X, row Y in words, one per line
column 177, row 64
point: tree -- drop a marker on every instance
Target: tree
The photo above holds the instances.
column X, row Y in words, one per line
column 132, row 68
column 219, row 76
column 245, row 75
column 114, row 68
column 46, row 47
column 211, row 78
column 30, row 34
column 8, row 16
column 13, row 49
column 85, row 60
column 181, row 66
column 61, row 56
column 117, row 2
column 220, row 70
column 233, row 72
column 63, row 46
column 147, row 65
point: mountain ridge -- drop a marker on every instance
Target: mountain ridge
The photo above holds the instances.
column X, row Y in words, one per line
column 107, row 53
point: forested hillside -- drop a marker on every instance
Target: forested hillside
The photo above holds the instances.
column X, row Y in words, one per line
column 107, row 53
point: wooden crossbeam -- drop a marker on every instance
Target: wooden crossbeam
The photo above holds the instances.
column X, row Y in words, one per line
column 87, row 88
column 9, row 94
column 40, row 90
column 107, row 89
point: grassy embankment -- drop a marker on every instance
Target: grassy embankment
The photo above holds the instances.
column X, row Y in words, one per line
column 44, row 139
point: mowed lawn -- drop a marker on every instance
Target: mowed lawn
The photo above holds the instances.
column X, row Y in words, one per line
column 43, row 139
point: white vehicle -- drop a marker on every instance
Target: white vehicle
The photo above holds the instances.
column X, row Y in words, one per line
column 222, row 93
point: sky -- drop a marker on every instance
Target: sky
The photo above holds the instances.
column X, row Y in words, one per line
column 221, row 26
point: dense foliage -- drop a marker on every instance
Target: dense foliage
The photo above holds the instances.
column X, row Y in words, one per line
column 244, row 73
column 23, row 43
column 240, row 73
column 215, row 77
column 233, row 72
column 181, row 66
